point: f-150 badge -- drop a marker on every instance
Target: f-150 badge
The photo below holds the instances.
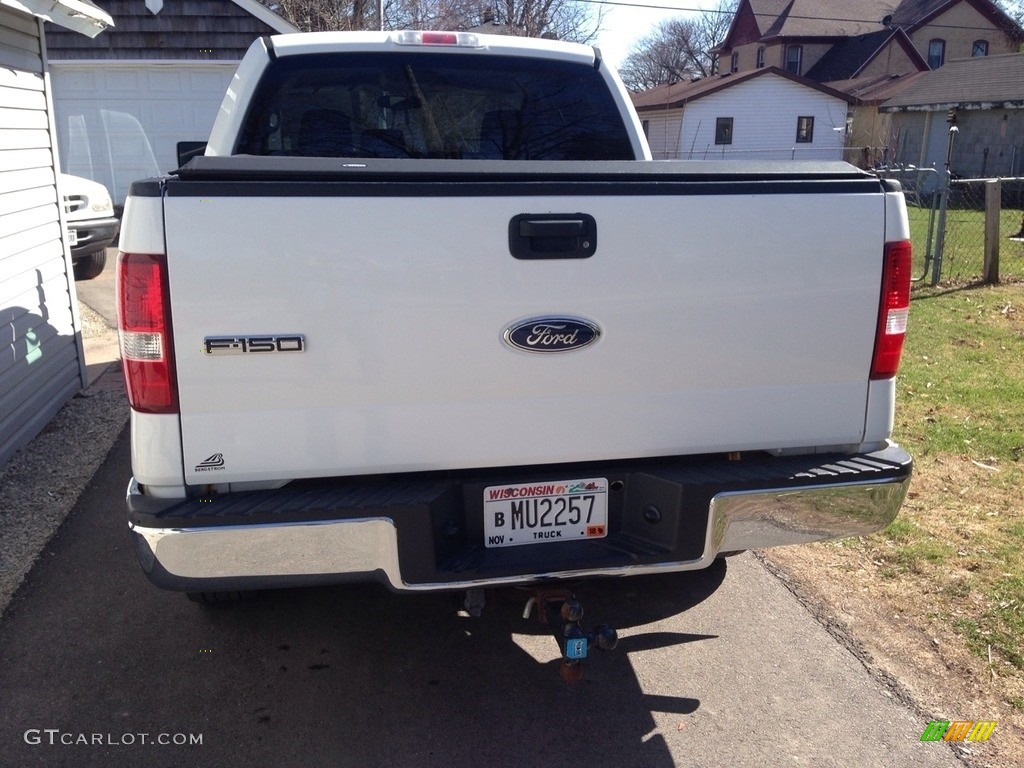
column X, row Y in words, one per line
column 242, row 345
column 552, row 334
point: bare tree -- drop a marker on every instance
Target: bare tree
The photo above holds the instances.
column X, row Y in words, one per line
column 1014, row 9
column 678, row 49
column 560, row 19
column 577, row 22
column 325, row 15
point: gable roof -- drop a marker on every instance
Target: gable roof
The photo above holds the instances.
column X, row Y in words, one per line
column 847, row 58
column 912, row 14
column 677, row 95
column 751, row 16
column 875, row 90
column 830, row 18
column 837, row 19
column 988, row 82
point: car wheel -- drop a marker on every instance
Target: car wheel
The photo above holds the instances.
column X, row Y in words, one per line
column 90, row 265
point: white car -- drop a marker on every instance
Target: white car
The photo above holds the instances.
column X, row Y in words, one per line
column 92, row 225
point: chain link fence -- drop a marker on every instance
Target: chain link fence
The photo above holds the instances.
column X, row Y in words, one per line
column 951, row 231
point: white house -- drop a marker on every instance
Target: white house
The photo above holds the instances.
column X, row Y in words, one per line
column 41, row 360
column 764, row 114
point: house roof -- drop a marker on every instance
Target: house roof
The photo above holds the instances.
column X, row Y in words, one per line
column 912, row 14
column 77, row 15
column 830, row 18
column 876, row 90
column 980, row 83
column 836, row 19
column 847, row 58
column 766, row 12
column 677, row 95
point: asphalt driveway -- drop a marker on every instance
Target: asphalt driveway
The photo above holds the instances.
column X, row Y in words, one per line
column 722, row 667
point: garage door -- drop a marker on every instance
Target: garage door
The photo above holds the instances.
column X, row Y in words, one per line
column 117, row 122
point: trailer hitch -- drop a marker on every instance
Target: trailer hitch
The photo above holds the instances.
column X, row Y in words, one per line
column 562, row 612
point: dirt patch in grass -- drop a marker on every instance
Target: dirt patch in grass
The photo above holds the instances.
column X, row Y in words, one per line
column 916, row 609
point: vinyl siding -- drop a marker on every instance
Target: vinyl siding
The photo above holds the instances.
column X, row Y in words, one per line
column 663, row 132
column 764, row 113
column 40, row 356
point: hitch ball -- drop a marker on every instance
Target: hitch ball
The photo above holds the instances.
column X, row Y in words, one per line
column 606, row 637
column 571, row 611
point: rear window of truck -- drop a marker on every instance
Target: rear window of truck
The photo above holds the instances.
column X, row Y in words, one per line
column 429, row 105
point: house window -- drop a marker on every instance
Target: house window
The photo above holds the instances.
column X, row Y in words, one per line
column 760, row 57
column 979, row 48
column 794, row 58
column 723, row 130
column 647, row 127
column 734, row 63
column 804, row 129
column 936, row 53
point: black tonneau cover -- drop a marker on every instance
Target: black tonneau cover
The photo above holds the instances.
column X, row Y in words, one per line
column 283, row 168
column 252, row 176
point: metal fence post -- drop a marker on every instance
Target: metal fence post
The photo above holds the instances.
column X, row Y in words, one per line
column 940, row 235
column 993, row 204
column 941, row 240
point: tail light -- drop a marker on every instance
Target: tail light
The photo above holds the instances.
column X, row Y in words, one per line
column 893, row 310
column 144, row 330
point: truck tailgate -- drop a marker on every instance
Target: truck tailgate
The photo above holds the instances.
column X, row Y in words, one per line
column 733, row 319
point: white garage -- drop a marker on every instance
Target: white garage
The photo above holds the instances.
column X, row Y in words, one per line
column 120, row 122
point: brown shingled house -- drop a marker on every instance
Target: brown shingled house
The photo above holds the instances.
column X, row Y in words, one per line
column 869, row 49
column 830, row 40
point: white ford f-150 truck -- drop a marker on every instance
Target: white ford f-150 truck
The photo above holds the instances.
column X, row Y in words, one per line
column 425, row 313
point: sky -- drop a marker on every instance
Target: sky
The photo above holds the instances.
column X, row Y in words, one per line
column 624, row 25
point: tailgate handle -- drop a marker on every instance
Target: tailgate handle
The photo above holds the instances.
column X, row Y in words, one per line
column 552, row 236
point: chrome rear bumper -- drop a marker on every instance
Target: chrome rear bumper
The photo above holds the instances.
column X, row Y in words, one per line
column 207, row 556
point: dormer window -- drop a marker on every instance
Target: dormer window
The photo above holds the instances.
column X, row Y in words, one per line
column 760, row 57
column 734, row 63
column 936, row 53
column 794, row 58
column 979, row 48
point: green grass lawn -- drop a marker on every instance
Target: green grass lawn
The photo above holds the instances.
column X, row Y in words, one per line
column 960, row 413
column 964, row 248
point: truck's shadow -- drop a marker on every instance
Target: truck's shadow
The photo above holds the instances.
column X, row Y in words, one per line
column 344, row 677
column 414, row 681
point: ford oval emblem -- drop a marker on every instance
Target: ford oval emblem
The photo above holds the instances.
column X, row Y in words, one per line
column 552, row 334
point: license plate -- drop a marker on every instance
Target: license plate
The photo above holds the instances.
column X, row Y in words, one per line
column 72, row 237
column 534, row 513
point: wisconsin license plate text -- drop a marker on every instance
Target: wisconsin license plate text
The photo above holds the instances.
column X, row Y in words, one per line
column 532, row 513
